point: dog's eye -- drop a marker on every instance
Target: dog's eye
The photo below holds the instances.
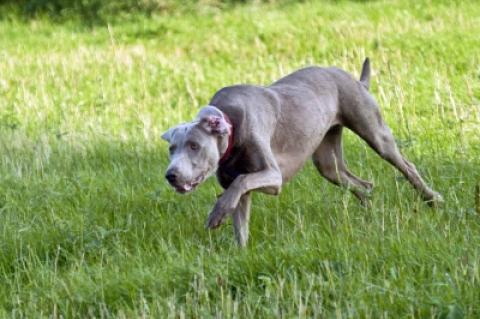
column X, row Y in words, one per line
column 193, row 146
column 172, row 148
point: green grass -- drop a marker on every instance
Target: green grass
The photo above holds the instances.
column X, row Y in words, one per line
column 89, row 228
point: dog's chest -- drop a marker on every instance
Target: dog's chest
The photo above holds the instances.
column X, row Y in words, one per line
column 239, row 163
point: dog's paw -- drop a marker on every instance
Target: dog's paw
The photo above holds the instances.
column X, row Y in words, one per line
column 435, row 201
column 366, row 201
column 215, row 219
column 219, row 213
column 224, row 206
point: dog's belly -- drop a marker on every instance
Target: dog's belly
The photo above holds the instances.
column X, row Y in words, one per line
column 289, row 165
column 296, row 139
column 294, row 148
column 291, row 162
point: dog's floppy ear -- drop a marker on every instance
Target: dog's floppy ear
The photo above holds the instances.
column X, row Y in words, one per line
column 214, row 124
column 212, row 120
column 167, row 136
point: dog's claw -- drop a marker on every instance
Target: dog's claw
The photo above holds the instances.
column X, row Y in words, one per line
column 215, row 219
column 436, row 201
column 224, row 206
column 211, row 224
column 366, row 202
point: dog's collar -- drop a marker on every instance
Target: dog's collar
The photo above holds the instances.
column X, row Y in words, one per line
column 228, row 151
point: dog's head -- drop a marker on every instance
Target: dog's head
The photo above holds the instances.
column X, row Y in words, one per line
column 196, row 148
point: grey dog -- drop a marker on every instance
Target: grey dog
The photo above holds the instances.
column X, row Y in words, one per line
column 256, row 138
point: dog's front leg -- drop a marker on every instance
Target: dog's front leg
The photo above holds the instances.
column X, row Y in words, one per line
column 268, row 180
column 240, row 218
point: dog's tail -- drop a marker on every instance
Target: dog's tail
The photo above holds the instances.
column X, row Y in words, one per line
column 365, row 77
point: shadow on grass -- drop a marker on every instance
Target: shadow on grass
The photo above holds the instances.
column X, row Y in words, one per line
column 92, row 194
column 104, row 205
column 94, row 12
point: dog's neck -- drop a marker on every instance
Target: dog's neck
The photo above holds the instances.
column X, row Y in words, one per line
column 228, row 151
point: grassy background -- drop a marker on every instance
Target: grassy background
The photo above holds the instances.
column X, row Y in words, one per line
column 89, row 228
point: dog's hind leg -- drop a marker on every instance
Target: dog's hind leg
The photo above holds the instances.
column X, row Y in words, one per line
column 328, row 159
column 369, row 125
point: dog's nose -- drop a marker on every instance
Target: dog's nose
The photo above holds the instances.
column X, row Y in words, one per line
column 171, row 177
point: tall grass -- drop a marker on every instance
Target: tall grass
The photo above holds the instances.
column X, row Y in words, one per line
column 89, row 228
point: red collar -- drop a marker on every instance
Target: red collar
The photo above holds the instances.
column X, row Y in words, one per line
column 228, row 151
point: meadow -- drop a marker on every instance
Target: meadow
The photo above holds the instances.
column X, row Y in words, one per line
column 90, row 228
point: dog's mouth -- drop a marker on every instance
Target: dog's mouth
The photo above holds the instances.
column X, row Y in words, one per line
column 189, row 186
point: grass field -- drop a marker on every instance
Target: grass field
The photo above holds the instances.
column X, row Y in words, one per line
column 89, row 227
